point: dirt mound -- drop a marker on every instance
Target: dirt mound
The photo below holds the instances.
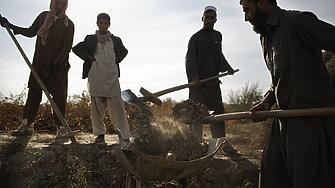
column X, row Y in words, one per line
column 160, row 136
column 40, row 161
column 189, row 112
column 163, row 136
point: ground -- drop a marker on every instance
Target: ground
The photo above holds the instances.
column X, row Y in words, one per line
column 41, row 160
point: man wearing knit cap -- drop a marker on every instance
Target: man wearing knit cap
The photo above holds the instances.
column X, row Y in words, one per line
column 54, row 31
column 205, row 59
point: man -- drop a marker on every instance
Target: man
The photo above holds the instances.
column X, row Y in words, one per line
column 54, row 32
column 300, row 151
column 102, row 52
column 205, row 59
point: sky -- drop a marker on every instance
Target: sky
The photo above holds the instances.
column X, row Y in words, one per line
column 156, row 34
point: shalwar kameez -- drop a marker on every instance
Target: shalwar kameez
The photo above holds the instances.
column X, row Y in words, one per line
column 104, row 87
column 103, row 83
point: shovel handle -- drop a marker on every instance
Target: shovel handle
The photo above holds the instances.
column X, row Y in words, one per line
column 191, row 84
column 53, row 104
column 271, row 114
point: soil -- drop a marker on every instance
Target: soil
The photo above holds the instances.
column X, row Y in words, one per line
column 42, row 160
column 189, row 112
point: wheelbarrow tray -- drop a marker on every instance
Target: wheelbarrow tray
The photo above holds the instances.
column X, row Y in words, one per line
column 153, row 168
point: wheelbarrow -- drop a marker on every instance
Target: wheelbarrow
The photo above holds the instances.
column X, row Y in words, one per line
column 144, row 168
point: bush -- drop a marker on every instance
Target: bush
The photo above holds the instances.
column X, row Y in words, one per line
column 78, row 113
column 244, row 98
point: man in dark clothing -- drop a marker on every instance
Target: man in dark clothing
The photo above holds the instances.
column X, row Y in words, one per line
column 54, row 32
column 300, row 151
column 205, row 59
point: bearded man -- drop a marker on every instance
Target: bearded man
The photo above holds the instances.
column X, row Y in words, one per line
column 300, row 151
column 54, row 32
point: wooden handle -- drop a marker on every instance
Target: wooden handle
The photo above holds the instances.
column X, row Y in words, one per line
column 169, row 90
column 271, row 114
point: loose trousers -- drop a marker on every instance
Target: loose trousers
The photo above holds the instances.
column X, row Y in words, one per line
column 116, row 111
column 34, row 100
column 298, row 154
column 209, row 94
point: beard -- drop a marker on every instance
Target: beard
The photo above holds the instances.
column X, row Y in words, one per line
column 259, row 22
column 208, row 27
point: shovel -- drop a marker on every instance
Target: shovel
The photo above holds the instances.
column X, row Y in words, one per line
column 129, row 97
column 271, row 114
column 70, row 133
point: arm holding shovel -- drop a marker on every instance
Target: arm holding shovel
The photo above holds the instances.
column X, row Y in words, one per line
column 262, row 106
column 28, row 32
column 5, row 21
column 265, row 105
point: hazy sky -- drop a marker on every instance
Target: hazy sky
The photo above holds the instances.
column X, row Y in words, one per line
column 156, row 34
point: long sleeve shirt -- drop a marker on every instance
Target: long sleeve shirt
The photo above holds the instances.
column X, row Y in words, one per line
column 56, row 50
column 204, row 57
column 292, row 52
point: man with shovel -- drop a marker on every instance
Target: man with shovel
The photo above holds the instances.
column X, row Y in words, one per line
column 205, row 59
column 300, row 151
column 101, row 53
column 54, row 32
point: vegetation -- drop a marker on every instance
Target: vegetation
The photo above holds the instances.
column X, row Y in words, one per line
column 77, row 115
column 244, row 98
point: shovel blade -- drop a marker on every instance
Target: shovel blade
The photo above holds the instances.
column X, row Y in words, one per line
column 129, row 97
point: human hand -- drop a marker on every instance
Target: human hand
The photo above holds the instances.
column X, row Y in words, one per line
column 47, row 70
column 196, row 80
column 262, row 106
column 91, row 58
column 4, row 20
column 231, row 71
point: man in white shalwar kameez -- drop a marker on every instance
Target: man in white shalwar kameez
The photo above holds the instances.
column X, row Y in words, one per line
column 103, row 83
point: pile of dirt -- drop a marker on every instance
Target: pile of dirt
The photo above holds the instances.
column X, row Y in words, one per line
column 189, row 112
column 41, row 160
column 163, row 136
column 138, row 117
